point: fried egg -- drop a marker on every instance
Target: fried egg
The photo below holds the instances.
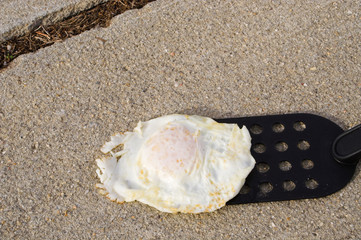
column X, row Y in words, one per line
column 177, row 163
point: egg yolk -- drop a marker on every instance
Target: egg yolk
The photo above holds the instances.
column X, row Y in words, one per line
column 172, row 151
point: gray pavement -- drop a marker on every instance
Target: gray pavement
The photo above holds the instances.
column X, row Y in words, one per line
column 19, row 16
column 213, row 58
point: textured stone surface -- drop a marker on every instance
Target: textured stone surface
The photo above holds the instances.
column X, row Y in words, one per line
column 18, row 16
column 214, row 58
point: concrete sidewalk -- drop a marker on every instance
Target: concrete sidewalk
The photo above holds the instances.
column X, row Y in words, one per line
column 213, row 58
column 19, row 16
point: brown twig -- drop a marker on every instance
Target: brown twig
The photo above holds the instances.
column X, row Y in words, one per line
column 44, row 36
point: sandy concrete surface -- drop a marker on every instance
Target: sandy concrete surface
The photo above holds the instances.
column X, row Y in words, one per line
column 214, row 58
column 19, row 16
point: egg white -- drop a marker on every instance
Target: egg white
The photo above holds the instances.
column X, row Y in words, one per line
column 177, row 163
